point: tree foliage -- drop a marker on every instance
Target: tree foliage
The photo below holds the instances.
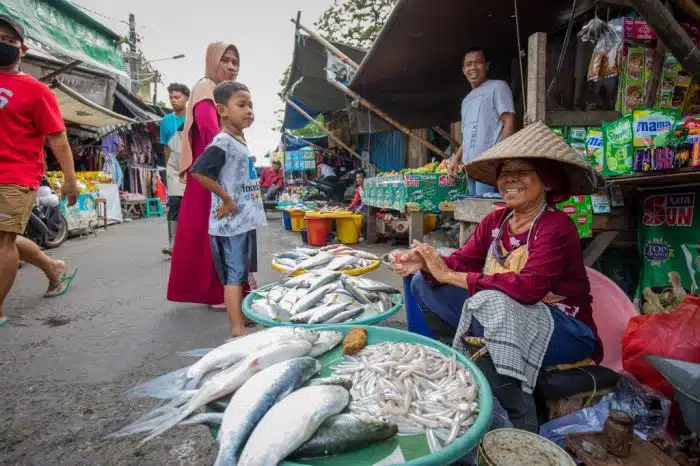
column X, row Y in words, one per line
column 351, row 22
column 354, row 22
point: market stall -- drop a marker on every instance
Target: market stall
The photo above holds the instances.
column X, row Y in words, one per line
column 414, row 193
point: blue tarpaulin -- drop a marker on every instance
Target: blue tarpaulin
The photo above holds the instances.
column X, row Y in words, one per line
column 294, row 143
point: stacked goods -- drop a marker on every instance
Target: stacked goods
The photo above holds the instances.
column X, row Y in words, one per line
column 619, row 152
column 433, row 167
column 425, row 189
column 324, row 297
column 86, row 180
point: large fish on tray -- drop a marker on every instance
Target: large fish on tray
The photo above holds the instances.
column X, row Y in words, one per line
column 291, row 422
column 254, row 399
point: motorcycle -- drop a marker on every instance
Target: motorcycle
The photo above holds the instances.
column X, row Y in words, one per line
column 333, row 189
column 47, row 226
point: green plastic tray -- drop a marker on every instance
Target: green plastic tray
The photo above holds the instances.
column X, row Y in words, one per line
column 262, row 320
column 413, row 447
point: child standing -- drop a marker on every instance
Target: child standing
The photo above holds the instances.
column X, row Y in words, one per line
column 226, row 169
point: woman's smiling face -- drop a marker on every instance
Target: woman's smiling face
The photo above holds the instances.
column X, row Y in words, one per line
column 519, row 185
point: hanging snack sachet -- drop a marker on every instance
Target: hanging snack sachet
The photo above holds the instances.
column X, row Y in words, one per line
column 595, row 152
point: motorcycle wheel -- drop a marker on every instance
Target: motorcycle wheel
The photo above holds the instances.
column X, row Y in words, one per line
column 60, row 237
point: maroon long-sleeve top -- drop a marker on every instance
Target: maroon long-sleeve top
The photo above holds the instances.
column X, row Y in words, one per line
column 554, row 264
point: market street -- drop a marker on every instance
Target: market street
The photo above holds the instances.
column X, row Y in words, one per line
column 66, row 360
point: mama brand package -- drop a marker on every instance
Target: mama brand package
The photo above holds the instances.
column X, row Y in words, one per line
column 617, row 140
column 595, row 151
column 669, row 234
column 653, row 127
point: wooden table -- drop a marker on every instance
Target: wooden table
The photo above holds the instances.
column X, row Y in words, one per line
column 133, row 209
column 415, row 225
column 606, row 227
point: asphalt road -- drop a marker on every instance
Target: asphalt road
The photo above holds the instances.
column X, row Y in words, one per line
column 64, row 361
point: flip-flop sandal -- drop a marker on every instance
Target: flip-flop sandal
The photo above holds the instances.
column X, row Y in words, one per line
column 62, row 285
column 3, row 321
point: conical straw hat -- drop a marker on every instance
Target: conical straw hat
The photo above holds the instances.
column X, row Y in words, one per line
column 536, row 141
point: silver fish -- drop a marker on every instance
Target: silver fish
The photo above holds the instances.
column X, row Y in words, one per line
column 228, row 381
column 340, row 381
column 366, row 255
column 337, row 298
column 324, row 279
column 340, row 262
column 327, row 340
column 378, row 287
column 255, row 398
column 345, row 316
column 291, row 298
column 232, row 352
column 291, row 422
column 318, row 260
column 298, row 281
column 294, row 255
column 309, row 300
column 285, row 262
column 264, row 309
column 326, row 312
column 346, row 432
column 303, row 317
column 356, row 293
column 307, row 251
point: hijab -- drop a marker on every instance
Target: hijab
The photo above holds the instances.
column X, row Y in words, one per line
column 203, row 90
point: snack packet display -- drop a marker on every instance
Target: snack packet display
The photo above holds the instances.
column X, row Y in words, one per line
column 669, row 76
column 668, row 236
column 580, row 210
column 619, row 152
column 560, row 131
column 633, row 94
column 595, row 152
column 653, row 127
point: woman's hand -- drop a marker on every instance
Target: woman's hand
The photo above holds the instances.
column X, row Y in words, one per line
column 226, row 208
column 406, row 263
column 433, row 261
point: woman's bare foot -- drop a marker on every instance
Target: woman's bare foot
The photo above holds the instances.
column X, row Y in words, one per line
column 218, row 307
column 239, row 332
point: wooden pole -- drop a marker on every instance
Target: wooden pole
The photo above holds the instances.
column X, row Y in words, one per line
column 330, row 135
column 365, row 103
column 671, row 34
column 345, row 59
column 536, row 71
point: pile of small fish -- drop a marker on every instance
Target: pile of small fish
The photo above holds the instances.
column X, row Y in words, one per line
column 275, row 409
column 324, row 297
column 414, row 386
column 328, row 258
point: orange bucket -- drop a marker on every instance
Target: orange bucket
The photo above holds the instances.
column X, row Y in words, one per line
column 317, row 230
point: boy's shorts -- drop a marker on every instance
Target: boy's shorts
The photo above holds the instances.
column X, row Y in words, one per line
column 16, row 203
column 232, row 257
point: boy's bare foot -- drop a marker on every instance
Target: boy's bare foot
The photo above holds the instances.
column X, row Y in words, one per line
column 56, row 271
column 239, row 332
column 218, row 307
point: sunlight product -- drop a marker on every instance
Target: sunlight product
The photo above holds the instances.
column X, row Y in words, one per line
column 617, row 139
column 668, row 237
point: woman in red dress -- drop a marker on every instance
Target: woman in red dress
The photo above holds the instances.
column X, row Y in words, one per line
column 192, row 275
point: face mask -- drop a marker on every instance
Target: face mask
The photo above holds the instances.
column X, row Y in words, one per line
column 9, row 55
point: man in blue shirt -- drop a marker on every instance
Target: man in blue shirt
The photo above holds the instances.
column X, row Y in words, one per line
column 488, row 115
column 171, row 137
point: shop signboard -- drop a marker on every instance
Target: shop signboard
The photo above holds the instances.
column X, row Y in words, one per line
column 419, row 192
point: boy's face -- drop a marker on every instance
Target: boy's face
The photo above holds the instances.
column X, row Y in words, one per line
column 238, row 113
column 178, row 101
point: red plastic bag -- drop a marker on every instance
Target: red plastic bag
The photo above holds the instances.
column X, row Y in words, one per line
column 675, row 335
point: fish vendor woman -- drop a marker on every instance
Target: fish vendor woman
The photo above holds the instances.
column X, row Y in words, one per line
column 519, row 284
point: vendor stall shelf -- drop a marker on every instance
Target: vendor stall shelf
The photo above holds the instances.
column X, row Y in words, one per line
column 414, row 195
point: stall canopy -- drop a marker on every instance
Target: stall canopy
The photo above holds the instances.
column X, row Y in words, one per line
column 295, row 143
column 77, row 109
column 413, row 70
column 307, row 85
column 62, row 30
column 128, row 104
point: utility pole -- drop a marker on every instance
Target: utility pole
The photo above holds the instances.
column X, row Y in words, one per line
column 133, row 58
column 156, row 80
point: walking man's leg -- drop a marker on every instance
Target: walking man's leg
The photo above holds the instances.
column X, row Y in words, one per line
column 173, row 214
column 271, row 192
column 54, row 269
column 9, row 262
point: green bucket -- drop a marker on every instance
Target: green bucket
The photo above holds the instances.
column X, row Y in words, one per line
column 266, row 321
column 414, row 448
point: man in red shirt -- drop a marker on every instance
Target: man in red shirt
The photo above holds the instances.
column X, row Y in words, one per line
column 272, row 180
column 30, row 116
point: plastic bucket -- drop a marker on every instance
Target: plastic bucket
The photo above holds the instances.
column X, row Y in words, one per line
column 286, row 220
column 349, row 229
column 510, row 447
column 317, row 230
column 414, row 316
column 297, row 218
column 429, row 222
